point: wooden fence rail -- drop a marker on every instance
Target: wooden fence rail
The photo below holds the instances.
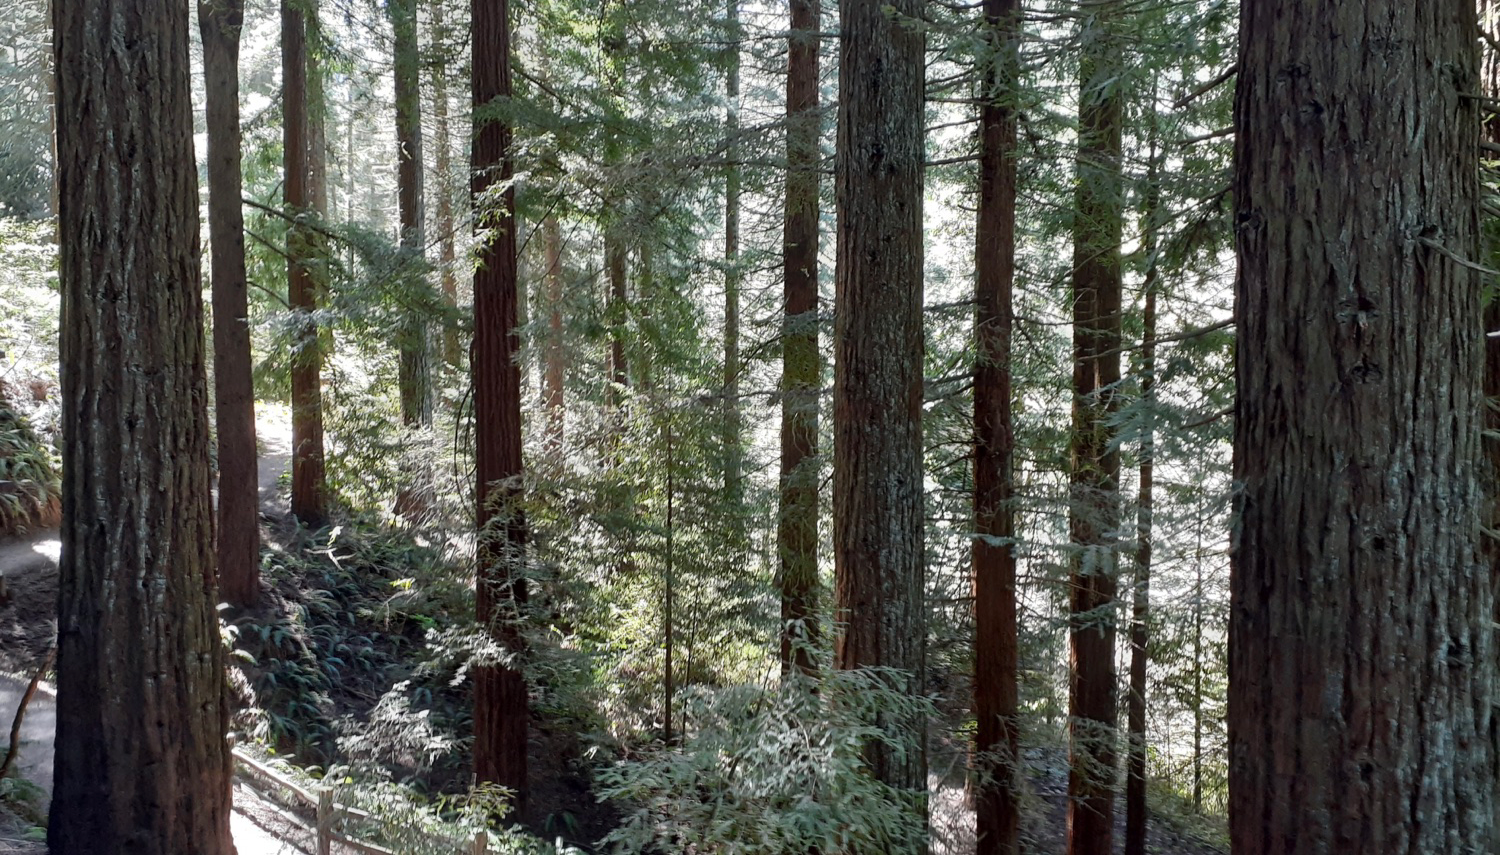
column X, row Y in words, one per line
column 330, row 814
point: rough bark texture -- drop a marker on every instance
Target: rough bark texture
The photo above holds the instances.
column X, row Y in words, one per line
column 1489, row 23
column 413, row 371
column 219, row 22
column 801, row 365
column 997, row 794
column 142, row 762
column 500, row 703
column 554, row 364
column 877, row 473
column 308, row 499
column 1094, row 506
column 1361, row 661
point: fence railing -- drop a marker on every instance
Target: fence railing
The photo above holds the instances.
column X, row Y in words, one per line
column 330, row 815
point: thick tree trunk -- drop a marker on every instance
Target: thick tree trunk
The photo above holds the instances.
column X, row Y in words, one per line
column 500, row 702
column 142, row 762
column 877, row 473
column 308, row 488
column 413, row 379
column 801, row 365
column 1361, row 660
column 219, row 22
column 554, row 363
column 997, row 802
column 1094, row 502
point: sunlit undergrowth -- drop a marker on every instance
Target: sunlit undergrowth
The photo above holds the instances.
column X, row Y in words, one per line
column 356, row 667
column 763, row 770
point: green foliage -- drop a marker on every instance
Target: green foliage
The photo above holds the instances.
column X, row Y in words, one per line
column 25, row 104
column 398, row 819
column 342, row 618
column 775, row 771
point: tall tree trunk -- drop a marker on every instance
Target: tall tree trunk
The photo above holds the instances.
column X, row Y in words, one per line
column 1489, row 22
column 142, row 764
column 500, row 707
column 801, row 365
column 443, row 183
column 238, row 553
column 733, row 451
column 617, row 311
column 1361, row 660
column 413, row 381
column 877, row 472
column 1135, row 765
column 1198, row 665
column 1094, row 502
column 554, row 364
column 669, row 584
column 308, row 488
column 997, row 803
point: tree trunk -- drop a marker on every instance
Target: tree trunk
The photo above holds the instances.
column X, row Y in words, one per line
column 500, row 702
column 1489, row 22
column 1135, row 765
column 413, row 381
column 733, row 451
column 308, row 488
column 554, row 364
column 997, row 802
column 617, row 311
column 1094, row 502
column 1361, row 661
column 219, row 22
column 801, row 365
column 669, row 584
column 443, row 184
column 877, row 473
column 142, row 763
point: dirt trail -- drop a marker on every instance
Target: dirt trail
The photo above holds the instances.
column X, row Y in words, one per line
column 29, row 566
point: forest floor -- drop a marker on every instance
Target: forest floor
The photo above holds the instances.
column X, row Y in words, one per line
column 262, row 828
column 27, row 627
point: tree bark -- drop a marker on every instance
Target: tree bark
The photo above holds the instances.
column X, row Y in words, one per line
column 1135, row 765
column 1489, row 23
column 1361, row 660
column 801, row 364
column 997, row 802
column 308, row 487
column 500, row 696
column 733, row 450
column 238, row 553
column 443, row 184
column 413, row 371
column 617, row 311
column 142, row 763
column 1094, row 502
column 554, row 364
column 877, row 474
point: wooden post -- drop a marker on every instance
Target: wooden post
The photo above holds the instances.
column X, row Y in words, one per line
column 481, row 843
column 325, row 821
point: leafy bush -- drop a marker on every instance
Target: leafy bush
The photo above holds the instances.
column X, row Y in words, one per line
column 775, row 771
